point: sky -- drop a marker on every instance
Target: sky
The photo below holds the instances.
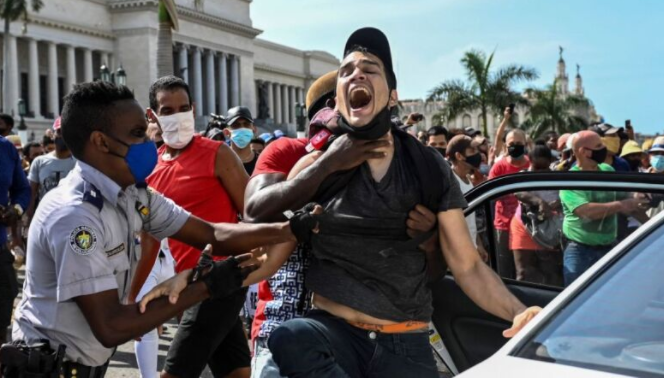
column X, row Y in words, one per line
column 619, row 44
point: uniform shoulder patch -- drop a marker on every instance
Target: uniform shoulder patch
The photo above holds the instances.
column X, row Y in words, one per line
column 83, row 240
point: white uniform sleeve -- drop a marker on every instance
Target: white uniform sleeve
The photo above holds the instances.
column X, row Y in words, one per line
column 76, row 241
column 166, row 218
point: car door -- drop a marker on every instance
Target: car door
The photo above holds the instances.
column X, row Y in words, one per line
column 470, row 334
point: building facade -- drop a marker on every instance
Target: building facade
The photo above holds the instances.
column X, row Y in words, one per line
column 216, row 50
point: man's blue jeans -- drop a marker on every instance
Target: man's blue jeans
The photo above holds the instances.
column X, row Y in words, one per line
column 323, row 346
column 578, row 258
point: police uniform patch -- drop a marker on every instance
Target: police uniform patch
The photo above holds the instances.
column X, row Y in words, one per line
column 83, row 240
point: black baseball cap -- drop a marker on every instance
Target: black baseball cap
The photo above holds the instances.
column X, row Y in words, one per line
column 375, row 42
column 238, row 112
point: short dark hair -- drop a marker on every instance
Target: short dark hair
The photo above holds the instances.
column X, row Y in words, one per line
column 88, row 108
column 458, row 144
column 27, row 147
column 541, row 150
column 7, row 119
column 438, row 130
column 47, row 140
column 258, row 140
column 167, row 83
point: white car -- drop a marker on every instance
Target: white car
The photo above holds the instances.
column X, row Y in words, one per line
column 607, row 323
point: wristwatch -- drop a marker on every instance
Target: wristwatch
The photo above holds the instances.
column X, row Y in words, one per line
column 19, row 209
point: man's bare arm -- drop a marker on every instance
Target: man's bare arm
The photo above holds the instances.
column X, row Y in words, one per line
column 267, row 198
column 475, row 278
column 113, row 323
column 230, row 238
column 231, row 173
column 149, row 253
column 596, row 210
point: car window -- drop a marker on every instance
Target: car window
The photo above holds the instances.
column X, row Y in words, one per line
column 551, row 237
column 617, row 322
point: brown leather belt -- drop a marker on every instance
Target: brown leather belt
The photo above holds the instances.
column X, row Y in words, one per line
column 404, row 327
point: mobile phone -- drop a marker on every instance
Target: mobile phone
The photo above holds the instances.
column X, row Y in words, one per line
column 319, row 141
column 512, row 106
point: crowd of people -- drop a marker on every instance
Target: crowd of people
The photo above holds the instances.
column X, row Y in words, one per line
column 130, row 217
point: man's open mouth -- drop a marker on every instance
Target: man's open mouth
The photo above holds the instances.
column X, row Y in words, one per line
column 359, row 98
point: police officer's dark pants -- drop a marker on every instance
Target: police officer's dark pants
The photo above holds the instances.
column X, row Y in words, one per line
column 8, row 288
column 210, row 333
column 323, row 346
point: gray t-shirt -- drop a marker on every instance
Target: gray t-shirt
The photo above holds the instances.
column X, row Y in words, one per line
column 348, row 267
column 47, row 171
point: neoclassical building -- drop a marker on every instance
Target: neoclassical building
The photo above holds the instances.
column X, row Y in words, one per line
column 474, row 118
column 216, row 50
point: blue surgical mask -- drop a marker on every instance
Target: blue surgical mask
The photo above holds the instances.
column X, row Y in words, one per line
column 141, row 159
column 657, row 162
column 242, row 137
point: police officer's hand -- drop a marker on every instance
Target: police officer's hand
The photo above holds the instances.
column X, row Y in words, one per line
column 347, row 152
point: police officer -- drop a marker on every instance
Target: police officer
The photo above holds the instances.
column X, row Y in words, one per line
column 83, row 244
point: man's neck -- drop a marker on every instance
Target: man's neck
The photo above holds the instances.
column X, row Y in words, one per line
column 588, row 166
column 245, row 154
column 171, row 153
column 461, row 172
column 379, row 167
column 62, row 154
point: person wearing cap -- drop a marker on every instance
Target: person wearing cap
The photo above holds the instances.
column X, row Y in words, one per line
column 206, row 178
column 240, row 132
column 633, row 154
column 372, row 302
column 611, row 138
column 283, row 295
column 437, row 138
column 656, row 156
column 47, row 170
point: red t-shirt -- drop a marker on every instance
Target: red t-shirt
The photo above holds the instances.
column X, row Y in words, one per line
column 279, row 156
column 190, row 181
column 505, row 206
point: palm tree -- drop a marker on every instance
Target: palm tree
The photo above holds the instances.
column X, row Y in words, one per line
column 168, row 21
column 485, row 90
column 551, row 112
column 10, row 11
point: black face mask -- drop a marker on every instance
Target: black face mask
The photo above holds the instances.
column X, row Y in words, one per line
column 634, row 164
column 474, row 160
column 60, row 145
column 159, row 143
column 375, row 129
column 443, row 151
column 599, row 156
column 516, row 151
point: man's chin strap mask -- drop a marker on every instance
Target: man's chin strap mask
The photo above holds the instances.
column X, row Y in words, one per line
column 375, row 129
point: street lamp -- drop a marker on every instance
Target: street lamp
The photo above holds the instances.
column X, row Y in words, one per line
column 300, row 114
column 120, row 76
column 22, row 128
column 105, row 73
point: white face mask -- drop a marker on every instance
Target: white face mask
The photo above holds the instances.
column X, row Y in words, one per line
column 177, row 129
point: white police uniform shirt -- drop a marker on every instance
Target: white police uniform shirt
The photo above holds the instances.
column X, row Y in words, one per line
column 83, row 240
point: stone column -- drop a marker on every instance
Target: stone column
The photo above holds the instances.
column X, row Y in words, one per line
column 70, row 79
column 104, row 59
column 87, row 65
column 183, row 64
column 270, row 100
column 300, row 96
column 12, row 95
column 223, row 83
column 53, row 98
column 291, row 108
column 211, row 87
column 198, row 81
column 235, row 81
column 33, row 78
column 285, row 104
column 277, row 104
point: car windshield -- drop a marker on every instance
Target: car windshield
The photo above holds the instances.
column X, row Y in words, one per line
column 617, row 323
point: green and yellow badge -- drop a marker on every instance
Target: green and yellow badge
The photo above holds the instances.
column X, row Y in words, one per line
column 83, row 240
